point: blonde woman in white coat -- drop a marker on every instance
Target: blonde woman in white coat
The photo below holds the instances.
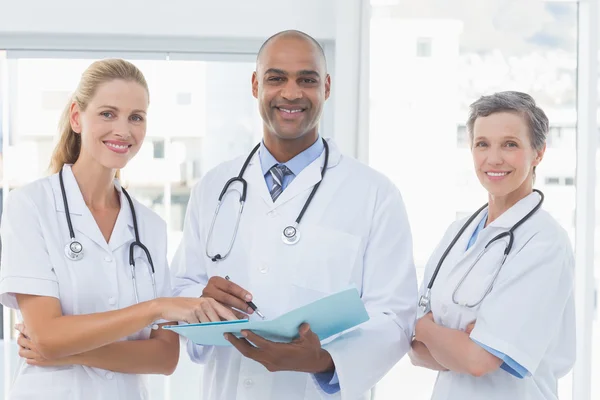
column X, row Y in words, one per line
column 86, row 331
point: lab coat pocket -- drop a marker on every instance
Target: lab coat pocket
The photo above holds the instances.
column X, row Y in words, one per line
column 51, row 385
column 325, row 260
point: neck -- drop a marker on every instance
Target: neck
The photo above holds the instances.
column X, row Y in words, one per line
column 285, row 149
column 96, row 184
column 500, row 204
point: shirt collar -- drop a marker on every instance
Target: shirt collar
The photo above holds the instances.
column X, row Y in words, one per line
column 296, row 164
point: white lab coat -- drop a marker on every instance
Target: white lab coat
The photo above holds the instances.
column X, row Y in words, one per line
column 34, row 234
column 355, row 232
column 529, row 315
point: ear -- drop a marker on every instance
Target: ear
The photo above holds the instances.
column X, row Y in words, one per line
column 75, row 118
column 255, row 85
column 540, row 156
column 327, row 86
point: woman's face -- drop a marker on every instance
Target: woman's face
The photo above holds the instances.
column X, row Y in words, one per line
column 503, row 155
column 113, row 125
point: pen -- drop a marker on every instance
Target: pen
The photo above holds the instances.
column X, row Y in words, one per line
column 250, row 304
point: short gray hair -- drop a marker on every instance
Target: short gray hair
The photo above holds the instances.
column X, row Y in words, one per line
column 516, row 102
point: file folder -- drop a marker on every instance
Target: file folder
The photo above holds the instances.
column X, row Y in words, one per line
column 328, row 316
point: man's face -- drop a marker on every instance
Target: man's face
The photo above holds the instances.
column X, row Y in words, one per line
column 291, row 85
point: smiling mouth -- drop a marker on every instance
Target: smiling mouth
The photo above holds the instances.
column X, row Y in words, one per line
column 497, row 174
column 117, row 148
column 290, row 110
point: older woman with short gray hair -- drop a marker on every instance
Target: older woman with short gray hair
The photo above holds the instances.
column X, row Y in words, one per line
column 498, row 314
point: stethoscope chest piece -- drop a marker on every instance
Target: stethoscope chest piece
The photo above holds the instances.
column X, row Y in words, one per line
column 74, row 250
column 290, row 235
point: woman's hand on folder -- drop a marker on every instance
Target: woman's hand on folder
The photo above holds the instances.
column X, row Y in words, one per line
column 303, row 354
column 228, row 293
column 194, row 310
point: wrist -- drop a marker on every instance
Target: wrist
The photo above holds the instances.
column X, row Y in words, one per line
column 154, row 310
column 75, row 359
column 325, row 362
column 422, row 328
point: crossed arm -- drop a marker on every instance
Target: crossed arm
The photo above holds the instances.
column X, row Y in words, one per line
column 443, row 349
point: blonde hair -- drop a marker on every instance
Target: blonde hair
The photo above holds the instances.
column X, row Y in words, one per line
column 69, row 144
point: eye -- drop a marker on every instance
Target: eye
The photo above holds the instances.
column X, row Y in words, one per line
column 308, row 80
column 137, row 118
column 511, row 144
column 275, row 79
column 107, row 114
column 480, row 144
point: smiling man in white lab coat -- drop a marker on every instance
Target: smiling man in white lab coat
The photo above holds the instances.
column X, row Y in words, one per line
column 354, row 232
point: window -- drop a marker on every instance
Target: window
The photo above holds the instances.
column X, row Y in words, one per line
column 420, row 103
column 424, row 47
column 159, row 149
column 550, row 180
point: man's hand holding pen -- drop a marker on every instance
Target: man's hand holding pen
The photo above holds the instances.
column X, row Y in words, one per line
column 229, row 294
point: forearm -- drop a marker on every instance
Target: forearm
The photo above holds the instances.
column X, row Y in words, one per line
column 454, row 350
column 421, row 357
column 151, row 356
column 58, row 336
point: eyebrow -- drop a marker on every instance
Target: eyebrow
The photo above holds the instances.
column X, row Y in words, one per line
column 116, row 109
column 304, row 72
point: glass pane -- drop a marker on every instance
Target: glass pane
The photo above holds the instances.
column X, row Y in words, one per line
column 444, row 56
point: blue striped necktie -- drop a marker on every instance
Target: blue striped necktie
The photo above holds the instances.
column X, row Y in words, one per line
column 278, row 172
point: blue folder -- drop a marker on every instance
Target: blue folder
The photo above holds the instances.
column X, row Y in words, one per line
column 327, row 316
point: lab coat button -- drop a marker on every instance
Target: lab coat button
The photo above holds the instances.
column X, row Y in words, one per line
column 264, row 268
column 109, row 375
column 112, row 301
column 248, row 383
column 108, row 259
column 272, row 214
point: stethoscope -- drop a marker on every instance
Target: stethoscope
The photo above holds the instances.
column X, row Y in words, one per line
column 425, row 300
column 290, row 234
column 74, row 249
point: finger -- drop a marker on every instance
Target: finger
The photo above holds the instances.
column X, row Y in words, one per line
column 209, row 311
column 29, row 354
column 230, row 300
column 201, row 315
column 22, row 341
column 304, row 329
column 243, row 346
column 239, row 315
column 19, row 327
column 258, row 341
column 225, row 313
column 234, row 289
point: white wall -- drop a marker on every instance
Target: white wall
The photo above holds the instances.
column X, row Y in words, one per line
column 197, row 18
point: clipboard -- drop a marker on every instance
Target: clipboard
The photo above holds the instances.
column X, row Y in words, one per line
column 328, row 316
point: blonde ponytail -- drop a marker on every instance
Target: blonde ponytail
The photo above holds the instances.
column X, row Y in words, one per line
column 69, row 143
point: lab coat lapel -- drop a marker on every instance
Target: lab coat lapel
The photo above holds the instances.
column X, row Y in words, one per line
column 310, row 176
column 257, row 186
column 123, row 231
column 501, row 224
column 511, row 216
column 459, row 253
column 82, row 219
